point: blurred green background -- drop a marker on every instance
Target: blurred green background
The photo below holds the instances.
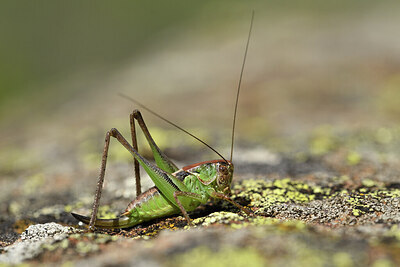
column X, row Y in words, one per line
column 310, row 63
column 53, row 52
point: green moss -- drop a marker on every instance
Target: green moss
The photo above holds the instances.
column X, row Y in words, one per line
column 227, row 256
column 322, row 140
column 222, row 217
column 383, row 263
column 342, row 259
column 54, row 210
column 394, row 232
column 236, row 221
column 84, row 248
column 353, row 158
column 71, row 207
column 82, row 243
column 33, row 183
column 310, row 257
column 15, row 208
column 357, row 212
column 63, row 244
column 67, row 264
column 368, row 183
column 264, row 194
column 105, row 212
column 384, row 135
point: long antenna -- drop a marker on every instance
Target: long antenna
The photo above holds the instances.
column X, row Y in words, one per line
column 170, row 122
column 240, row 82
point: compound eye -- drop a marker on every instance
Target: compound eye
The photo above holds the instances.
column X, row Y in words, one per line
column 223, row 169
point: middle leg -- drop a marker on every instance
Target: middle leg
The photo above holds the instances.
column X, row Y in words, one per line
column 162, row 161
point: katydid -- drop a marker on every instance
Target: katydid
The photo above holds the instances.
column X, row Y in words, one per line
column 176, row 190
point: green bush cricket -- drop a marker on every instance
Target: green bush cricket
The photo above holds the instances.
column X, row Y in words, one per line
column 176, row 190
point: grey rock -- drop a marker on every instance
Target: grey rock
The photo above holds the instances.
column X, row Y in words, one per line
column 32, row 241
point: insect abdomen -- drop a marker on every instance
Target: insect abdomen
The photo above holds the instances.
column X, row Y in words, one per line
column 147, row 206
column 150, row 205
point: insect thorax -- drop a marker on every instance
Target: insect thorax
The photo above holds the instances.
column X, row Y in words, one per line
column 209, row 175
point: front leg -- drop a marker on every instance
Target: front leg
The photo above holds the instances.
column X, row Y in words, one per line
column 189, row 195
column 225, row 197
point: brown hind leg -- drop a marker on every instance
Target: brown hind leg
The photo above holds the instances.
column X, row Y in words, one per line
column 114, row 133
